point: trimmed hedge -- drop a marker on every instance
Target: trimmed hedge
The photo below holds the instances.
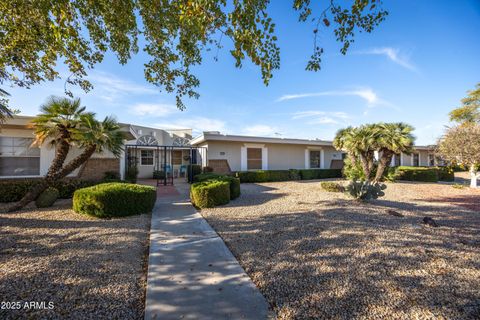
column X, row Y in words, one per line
column 210, row 193
column 267, row 175
column 234, row 182
column 287, row 175
column 114, row 200
column 311, row 174
column 424, row 174
column 416, row 174
column 14, row 190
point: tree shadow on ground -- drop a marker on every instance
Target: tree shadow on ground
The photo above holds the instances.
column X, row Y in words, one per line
column 347, row 260
column 87, row 268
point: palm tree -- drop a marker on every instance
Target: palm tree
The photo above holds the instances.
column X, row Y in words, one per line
column 359, row 143
column 94, row 136
column 343, row 141
column 64, row 123
column 392, row 138
column 58, row 122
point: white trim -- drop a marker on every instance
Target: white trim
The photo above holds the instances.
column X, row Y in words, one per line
column 322, row 159
column 243, row 158
column 21, row 177
column 419, row 159
column 264, row 158
column 254, row 145
column 401, row 158
column 307, row 159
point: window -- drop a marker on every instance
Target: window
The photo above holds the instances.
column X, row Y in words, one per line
column 314, row 159
column 176, row 157
column 396, row 161
column 17, row 158
column 416, row 158
column 431, row 160
column 254, row 158
column 146, row 158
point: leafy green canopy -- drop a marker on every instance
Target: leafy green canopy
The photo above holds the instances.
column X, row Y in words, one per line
column 35, row 35
column 469, row 111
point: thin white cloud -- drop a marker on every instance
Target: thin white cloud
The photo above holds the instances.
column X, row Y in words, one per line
column 321, row 117
column 260, row 130
column 366, row 94
column 393, row 55
column 153, row 109
column 197, row 124
column 110, row 87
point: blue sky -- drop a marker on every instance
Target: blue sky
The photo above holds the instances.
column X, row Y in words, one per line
column 415, row 67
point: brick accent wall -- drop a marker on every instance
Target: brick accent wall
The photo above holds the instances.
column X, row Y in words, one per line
column 95, row 168
column 219, row 166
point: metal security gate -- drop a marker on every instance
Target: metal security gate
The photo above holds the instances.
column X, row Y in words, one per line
column 166, row 163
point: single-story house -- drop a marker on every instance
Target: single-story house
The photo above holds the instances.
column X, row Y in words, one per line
column 152, row 149
column 241, row 153
column 19, row 159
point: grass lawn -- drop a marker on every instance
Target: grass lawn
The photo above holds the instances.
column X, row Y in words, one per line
column 320, row 255
column 89, row 268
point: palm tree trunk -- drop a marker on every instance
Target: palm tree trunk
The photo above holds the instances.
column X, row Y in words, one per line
column 365, row 166
column 33, row 193
column 61, row 153
column 76, row 162
column 383, row 164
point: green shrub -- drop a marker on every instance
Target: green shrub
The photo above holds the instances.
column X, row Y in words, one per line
column 311, row 174
column 294, row 174
column 114, row 199
column 210, row 193
column 331, row 186
column 234, row 182
column 265, row 175
column 193, row 170
column 446, row 173
column 47, row 198
column 424, row 174
column 158, row 174
column 111, row 175
column 14, row 190
column 364, row 190
column 206, row 176
column 131, row 174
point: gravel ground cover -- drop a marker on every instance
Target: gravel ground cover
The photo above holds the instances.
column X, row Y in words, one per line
column 320, row 255
column 89, row 268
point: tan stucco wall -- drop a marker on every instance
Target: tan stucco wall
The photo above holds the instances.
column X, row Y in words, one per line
column 280, row 156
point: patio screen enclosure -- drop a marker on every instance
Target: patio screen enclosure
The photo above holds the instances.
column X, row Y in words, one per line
column 164, row 163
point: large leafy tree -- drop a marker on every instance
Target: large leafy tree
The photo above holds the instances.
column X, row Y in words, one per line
column 469, row 111
column 5, row 111
column 64, row 124
column 36, row 35
column 461, row 144
column 390, row 139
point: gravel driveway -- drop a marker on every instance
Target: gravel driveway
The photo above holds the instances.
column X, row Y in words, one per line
column 316, row 254
column 89, row 268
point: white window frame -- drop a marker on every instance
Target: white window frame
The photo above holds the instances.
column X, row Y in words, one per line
column 243, row 156
column 141, row 158
column 307, row 157
column 39, row 159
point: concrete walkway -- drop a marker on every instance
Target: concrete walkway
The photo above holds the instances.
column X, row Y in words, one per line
column 191, row 273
